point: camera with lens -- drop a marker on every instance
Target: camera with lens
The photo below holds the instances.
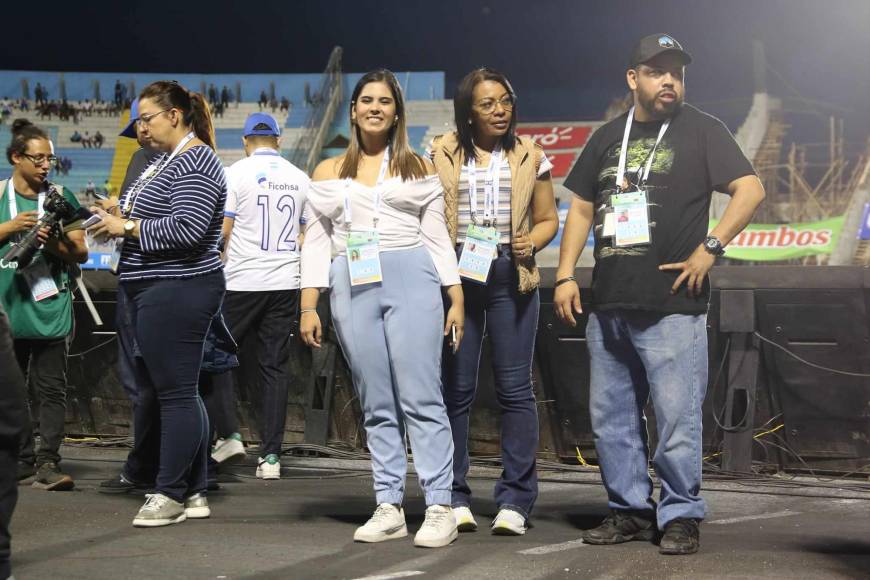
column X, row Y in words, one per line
column 58, row 212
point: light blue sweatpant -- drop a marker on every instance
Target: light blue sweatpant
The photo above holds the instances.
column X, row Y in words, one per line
column 391, row 334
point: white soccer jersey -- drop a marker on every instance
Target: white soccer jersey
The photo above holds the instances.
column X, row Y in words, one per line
column 266, row 198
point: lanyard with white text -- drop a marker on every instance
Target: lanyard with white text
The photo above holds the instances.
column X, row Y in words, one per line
column 620, row 171
column 13, row 207
column 348, row 211
column 150, row 173
column 490, row 188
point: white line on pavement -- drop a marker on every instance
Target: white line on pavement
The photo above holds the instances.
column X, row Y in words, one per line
column 393, row 575
column 549, row 549
column 772, row 515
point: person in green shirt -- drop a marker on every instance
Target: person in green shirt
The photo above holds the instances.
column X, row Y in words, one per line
column 38, row 299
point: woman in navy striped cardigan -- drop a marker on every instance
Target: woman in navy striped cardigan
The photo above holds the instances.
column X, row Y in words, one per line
column 170, row 275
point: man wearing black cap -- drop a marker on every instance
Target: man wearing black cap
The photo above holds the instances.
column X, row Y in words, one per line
column 644, row 183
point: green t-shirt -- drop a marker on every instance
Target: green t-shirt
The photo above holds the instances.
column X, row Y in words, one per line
column 48, row 318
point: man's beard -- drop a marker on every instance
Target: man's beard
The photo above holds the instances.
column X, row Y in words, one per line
column 657, row 109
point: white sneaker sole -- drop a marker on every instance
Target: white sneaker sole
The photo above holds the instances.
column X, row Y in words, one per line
column 437, row 542
column 198, row 513
column 230, row 453
column 261, row 475
column 143, row 523
column 395, row 534
column 506, row 530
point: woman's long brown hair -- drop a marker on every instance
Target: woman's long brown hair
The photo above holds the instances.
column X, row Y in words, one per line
column 403, row 160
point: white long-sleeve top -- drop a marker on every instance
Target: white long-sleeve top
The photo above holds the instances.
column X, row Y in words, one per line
column 412, row 215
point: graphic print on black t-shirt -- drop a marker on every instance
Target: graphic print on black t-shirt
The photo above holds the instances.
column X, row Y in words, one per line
column 696, row 155
column 639, row 151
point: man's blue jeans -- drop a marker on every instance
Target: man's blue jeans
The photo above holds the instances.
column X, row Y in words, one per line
column 635, row 355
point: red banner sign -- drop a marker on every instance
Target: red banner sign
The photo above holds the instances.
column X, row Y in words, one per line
column 556, row 136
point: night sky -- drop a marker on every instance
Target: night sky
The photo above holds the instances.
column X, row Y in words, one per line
column 565, row 58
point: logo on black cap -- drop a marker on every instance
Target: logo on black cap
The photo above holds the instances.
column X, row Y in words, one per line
column 666, row 42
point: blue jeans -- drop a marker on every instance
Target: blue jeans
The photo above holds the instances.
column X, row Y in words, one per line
column 511, row 320
column 635, row 355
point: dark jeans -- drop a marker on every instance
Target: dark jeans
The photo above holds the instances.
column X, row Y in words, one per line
column 13, row 423
column 170, row 319
column 510, row 319
column 43, row 362
column 269, row 314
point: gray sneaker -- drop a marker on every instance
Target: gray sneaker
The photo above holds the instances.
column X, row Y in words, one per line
column 50, row 478
column 159, row 510
column 196, row 507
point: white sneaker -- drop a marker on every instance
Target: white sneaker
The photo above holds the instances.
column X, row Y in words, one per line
column 387, row 523
column 229, row 450
column 509, row 522
column 159, row 510
column 464, row 519
column 269, row 468
column 196, row 507
column 438, row 529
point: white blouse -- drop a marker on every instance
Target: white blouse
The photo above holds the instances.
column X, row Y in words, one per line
column 412, row 215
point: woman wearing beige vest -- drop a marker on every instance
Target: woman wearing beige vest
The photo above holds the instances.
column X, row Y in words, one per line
column 500, row 210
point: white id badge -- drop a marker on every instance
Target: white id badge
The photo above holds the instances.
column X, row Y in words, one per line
column 38, row 278
column 115, row 257
column 481, row 246
column 363, row 257
column 632, row 219
column 609, row 224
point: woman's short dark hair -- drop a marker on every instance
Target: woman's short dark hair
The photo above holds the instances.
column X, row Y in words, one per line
column 463, row 103
column 171, row 95
column 23, row 131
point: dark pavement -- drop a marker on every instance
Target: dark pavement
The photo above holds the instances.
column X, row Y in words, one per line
column 302, row 527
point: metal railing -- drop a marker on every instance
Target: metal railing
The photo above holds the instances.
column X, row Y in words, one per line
column 306, row 151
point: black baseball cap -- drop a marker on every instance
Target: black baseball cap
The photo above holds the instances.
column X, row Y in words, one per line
column 653, row 45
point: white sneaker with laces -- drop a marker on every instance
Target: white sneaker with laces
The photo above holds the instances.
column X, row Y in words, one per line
column 229, row 450
column 465, row 521
column 438, row 529
column 269, row 467
column 196, row 507
column 509, row 522
column 387, row 523
column 159, row 510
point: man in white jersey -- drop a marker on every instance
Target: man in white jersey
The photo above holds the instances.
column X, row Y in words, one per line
column 265, row 198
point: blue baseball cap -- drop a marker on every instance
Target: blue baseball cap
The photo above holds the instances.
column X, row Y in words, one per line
column 255, row 119
column 130, row 129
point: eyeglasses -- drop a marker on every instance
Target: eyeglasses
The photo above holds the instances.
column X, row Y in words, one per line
column 40, row 159
column 146, row 119
column 487, row 107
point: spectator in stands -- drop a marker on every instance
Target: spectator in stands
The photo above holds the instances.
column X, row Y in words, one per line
column 225, row 97
column 171, row 277
column 518, row 219
column 264, row 99
column 76, row 137
column 67, row 164
column 13, row 422
column 273, row 104
column 646, row 334
column 39, row 94
column 98, row 139
column 39, row 304
column 391, row 331
column 285, row 104
column 108, row 188
column 90, row 190
column 262, row 271
column 23, row 106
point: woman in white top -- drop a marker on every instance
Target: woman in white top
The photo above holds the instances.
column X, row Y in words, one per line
column 381, row 203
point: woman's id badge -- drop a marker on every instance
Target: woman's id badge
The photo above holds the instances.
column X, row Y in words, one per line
column 631, row 219
column 477, row 253
column 115, row 257
column 363, row 257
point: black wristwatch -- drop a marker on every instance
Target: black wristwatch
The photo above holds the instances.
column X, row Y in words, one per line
column 713, row 246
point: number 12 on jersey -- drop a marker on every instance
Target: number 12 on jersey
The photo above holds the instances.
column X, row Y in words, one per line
column 282, row 214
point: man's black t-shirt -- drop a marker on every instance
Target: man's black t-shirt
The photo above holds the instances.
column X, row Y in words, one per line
column 696, row 156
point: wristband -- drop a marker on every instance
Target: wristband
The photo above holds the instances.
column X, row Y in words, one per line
column 563, row 280
column 304, row 310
